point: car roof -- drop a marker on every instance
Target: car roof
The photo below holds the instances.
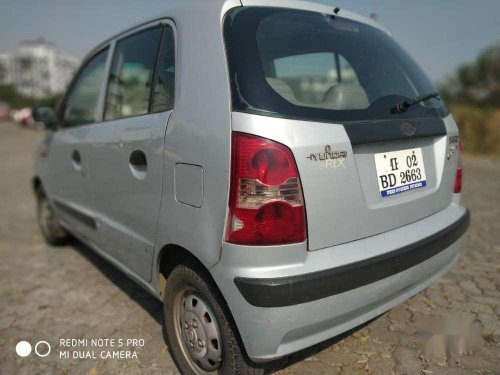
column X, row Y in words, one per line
column 187, row 9
column 315, row 7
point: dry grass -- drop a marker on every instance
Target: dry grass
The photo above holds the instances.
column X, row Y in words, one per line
column 479, row 129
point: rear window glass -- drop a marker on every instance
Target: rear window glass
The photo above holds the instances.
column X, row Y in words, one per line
column 309, row 76
column 308, row 65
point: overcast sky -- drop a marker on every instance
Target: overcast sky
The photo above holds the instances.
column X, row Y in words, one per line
column 439, row 34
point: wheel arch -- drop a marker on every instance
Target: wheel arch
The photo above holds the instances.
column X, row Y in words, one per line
column 170, row 256
column 37, row 186
column 36, row 183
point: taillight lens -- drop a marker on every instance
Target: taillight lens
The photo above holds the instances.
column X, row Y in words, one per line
column 266, row 205
column 458, row 175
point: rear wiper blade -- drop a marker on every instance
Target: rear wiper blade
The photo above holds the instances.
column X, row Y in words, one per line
column 403, row 106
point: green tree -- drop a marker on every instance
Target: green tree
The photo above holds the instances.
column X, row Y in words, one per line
column 478, row 81
column 9, row 95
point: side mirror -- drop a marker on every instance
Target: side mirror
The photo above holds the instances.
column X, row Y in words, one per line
column 46, row 115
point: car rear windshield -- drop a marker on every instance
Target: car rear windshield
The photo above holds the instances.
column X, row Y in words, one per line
column 308, row 65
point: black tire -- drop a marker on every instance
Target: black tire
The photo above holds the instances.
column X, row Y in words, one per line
column 194, row 279
column 52, row 231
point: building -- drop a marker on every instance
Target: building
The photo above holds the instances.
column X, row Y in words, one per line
column 40, row 70
column 5, row 69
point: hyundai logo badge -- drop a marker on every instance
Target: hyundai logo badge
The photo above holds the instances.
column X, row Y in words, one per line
column 408, row 129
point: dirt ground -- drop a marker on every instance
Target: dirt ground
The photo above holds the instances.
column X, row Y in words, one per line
column 69, row 292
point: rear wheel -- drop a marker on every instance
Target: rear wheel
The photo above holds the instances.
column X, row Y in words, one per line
column 199, row 329
column 52, row 231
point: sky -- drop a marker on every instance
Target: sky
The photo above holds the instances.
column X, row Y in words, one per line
column 439, row 34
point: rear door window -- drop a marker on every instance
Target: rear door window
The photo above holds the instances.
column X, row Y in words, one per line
column 132, row 74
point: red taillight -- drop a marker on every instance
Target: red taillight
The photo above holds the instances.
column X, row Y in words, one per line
column 266, row 205
column 458, row 175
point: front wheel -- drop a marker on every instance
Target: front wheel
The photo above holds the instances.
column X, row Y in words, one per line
column 52, row 231
column 198, row 327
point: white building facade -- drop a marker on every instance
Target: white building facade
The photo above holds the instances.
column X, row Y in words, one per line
column 40, row 70
column 6, row 69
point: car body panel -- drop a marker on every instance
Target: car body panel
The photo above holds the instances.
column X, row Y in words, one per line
column 198, row 126
column 127, row 200
column 67, row 184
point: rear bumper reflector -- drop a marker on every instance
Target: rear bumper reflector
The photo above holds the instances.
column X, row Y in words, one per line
column 293, row 290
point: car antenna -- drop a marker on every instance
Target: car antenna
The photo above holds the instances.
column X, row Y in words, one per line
column 336, row 11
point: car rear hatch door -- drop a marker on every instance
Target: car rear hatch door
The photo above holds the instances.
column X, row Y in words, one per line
column 345, row 196
column 331, row 89
column 339, row 176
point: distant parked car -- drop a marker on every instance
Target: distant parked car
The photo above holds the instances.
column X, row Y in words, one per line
column 23, row 116
column 4, row 111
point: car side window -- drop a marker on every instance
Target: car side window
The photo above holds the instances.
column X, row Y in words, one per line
column 80, row 107
column 132, row 74
column 164, row 90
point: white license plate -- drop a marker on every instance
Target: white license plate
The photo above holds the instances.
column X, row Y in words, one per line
column 400, row 171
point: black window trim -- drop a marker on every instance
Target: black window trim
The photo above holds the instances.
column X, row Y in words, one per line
column 155, row 69
column 171, row 25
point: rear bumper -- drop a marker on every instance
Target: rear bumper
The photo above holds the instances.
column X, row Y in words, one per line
column 294, row 290
column 284, row 298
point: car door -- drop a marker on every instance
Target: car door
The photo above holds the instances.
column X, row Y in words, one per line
column 68, row 183
column 127, row 146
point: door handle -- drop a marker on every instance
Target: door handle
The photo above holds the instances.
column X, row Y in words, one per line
column 138, row 164
column 138, row 159
column 76, row 160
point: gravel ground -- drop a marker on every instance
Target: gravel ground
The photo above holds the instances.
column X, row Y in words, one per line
column 69, row 292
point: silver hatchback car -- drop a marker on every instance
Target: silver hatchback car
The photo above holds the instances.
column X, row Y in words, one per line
column 276, row 172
